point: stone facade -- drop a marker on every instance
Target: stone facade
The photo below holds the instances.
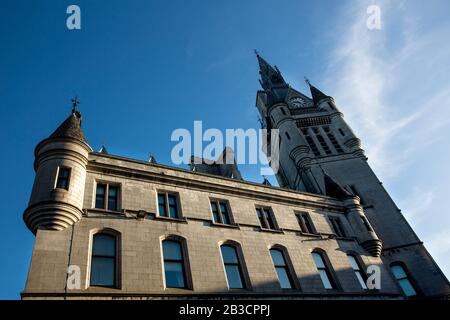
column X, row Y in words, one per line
column 65, row 220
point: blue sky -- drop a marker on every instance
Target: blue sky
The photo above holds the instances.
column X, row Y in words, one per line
column 144, row 68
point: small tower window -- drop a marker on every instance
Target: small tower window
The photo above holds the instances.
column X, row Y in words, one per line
column 174, row 264
column 104, row 261
column 341, row 132
column 403, row 279
column 288, row 136
column 266, row 218
column 168, row 205
column 306, row 225
column 233, row 267
column 366, row 223
column 62, row 182
column 324, row 270
column 220, row 212
column 358, row 270
column 337, row 227
column 283, row 111
column 283, row 273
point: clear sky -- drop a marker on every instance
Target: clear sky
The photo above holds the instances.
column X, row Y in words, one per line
column 144, row 68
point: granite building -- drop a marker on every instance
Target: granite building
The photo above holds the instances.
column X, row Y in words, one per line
column 110, row 227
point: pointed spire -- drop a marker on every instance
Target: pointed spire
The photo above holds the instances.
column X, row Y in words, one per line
column 270, row 76
column 316, row 94
column 103, row 150
column 152, row 159
column 333, row 188
column 266, row 182
column 71, row 127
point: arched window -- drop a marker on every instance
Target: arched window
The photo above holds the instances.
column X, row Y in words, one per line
column 358, row 270
column 324, row 270
column 401, row 275
column 174, row 264
column 284, row 275
column 104, row 260
column 233, row 267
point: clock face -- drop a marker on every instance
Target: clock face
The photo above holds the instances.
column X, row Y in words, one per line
column 297, row 102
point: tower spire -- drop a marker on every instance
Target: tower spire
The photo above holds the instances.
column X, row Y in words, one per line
column 316, row 94
column 270, row 76
column 75, row 103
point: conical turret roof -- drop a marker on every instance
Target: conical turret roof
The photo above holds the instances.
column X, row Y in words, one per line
column 70, row 128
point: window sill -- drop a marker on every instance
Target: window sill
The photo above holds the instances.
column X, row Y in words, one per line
column 307, row 234
column 224, row 225
column 271, row 230
column 98, row 210
column 179, row 220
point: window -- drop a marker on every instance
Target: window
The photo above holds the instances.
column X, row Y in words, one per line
column 341, row 132
column 283, row 111
column 288, row 136
column 283, row 273
column 220, row 212
column 359, row 272
column 104, row 261
column 174, row 265
column 266, row 218
column 233, row 268
column 366, row 223
column 306, row 225
column 311, row 143
column 403, row 280
column 335, row 143
column 112, row 192
column 62, row 182
column 323, row 144
column 337, row 227
column 168, row 205
column 324, row 271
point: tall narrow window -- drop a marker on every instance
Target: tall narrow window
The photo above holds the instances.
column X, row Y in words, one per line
column 103, row 262
column 305, row 222
column 233, row 268
column 403, row 280
column 359, row 272
column 288, row 136
column 106, row 197
column 323, row 144
column 220, row 212
column 174, row 266
column 311, row 143
column 62, row 182
column 112, row 198
column 341, row 132
column 283, row 273
column 337, row 227
column 100, row 196
column 324, row 271
column 366, row 223
column 266, row 218
column 335, row 143
column 168, row 205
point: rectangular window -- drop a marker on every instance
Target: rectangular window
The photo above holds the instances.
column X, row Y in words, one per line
column 337, row 227
column 103, row 262
column 305, row 222
column 266, row 218
column 311, row 143
column 359, row 273
column 335, row 143
column 324, row 271
column 403, row 280
column 288, row 136
column 366, row 223
column 232, row 265
column 168, row 205
column 283, row 273
column 220, row 212
column 107, row 197
column 62, row 182
column 323, row 144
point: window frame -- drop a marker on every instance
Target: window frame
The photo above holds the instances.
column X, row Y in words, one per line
column 117, row 257
column 167, row 205
column 361, row 269
column 106, row 196
column 337, row 227
column 289, row 268
column 328, row 268
column 68, row 178
column 188, row 284
column 242, row 267
column 264, row 222
column 305, row 222
column 408, row 277
column 229, row 214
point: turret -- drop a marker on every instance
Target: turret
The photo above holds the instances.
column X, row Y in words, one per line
column 365, row 235
column 56, row 200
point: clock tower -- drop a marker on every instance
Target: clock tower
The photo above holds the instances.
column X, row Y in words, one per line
column 317, row 144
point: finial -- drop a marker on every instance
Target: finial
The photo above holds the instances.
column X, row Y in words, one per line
column 256, row 52
column 75, row 104
column 307, row 81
